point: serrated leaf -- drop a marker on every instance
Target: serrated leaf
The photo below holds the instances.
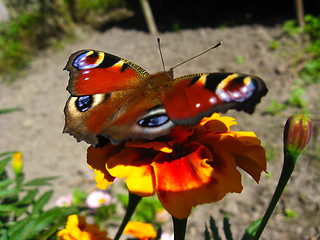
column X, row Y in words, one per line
column 214, row 229
column 45, row 181
column 227, row 228
column 43, row 199
column 206, row 233
column 159, row 232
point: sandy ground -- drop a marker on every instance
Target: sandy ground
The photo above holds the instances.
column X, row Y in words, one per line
column 37, row 130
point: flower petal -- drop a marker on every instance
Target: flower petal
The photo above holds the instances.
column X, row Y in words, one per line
column 134, row 165
column 97, row 158
column 157, row 146
column 140, row 230
column 216, row 123
column 193, row 179
column 245, row 148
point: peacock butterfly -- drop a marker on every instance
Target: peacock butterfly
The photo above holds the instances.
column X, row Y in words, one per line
column 113, row 99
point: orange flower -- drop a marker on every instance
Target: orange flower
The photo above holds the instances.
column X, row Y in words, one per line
column 142, row 231
column 78, row 229
column 195, row 165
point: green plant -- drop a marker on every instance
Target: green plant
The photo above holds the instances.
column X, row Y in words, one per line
column 240, row 59
column 311, row 71
column 274, row 108
column 290, row 214
column 271, row 152
column 297, row 98
column 291, row 28
column 274, row 45
column 146, row 210
column 22, row 214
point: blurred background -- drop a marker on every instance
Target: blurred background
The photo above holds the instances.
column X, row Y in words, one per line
column 30, row 25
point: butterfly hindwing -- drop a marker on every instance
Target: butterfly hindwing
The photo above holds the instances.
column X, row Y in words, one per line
column 199, row 95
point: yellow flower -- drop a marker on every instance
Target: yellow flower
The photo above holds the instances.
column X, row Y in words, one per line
column 17, row 163
column 78, row 229
column 142, row 231
column 192, row 166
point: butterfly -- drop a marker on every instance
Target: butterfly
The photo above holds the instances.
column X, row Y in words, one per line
column 113, row 99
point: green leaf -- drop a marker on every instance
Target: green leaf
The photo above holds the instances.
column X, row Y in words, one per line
column 251, row 230
column 206, row 233
column 43, row 199
column 8, row 192
column 6, row 153
column 25, row 202
column 3, row 163
column 29, row 197
column 3, row 234
column 79, row 196
column 40, row 181
column 56, row 215
column 7, row 208
column 5, row 183
column 214, row 229
column 9, row 110
column 17, row 231
column 227, row 227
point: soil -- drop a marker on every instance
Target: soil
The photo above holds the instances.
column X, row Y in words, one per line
column 36, row 131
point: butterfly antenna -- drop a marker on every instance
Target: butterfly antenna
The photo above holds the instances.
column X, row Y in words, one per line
column 158, row 39
column 215, row 46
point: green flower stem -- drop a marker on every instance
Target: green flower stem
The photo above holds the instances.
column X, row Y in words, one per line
column 133, row 202
column 288, row 167
column 179, row 228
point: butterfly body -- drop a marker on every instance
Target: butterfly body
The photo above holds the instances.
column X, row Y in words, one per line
column 112, row 98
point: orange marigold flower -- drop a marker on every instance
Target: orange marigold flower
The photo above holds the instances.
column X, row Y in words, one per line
column 195, row 165
column 142, row 231
column 78, row 229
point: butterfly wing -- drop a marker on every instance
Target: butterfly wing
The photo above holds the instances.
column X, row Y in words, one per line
column 102, row 87
column 94, row 72
column 199, row 95
column 114, row 99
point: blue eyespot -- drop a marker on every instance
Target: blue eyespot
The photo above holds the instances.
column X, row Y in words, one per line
column 154, row 121
column 83, row 103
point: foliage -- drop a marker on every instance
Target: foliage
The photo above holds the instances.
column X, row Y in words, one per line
column 275, row 107
column 22, row 213
column 215, row 235
column 37, row 24
column 310, row 73
column 146, row 210
column 274, row 45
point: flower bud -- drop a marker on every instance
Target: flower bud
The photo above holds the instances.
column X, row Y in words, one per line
column 17, row 163
column 297, row 134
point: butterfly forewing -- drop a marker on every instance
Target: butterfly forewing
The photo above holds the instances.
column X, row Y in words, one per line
column 94, row 72
column 199, row 95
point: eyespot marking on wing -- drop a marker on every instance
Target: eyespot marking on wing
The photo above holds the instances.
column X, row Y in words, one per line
column 88, row 60
column 81, row 104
